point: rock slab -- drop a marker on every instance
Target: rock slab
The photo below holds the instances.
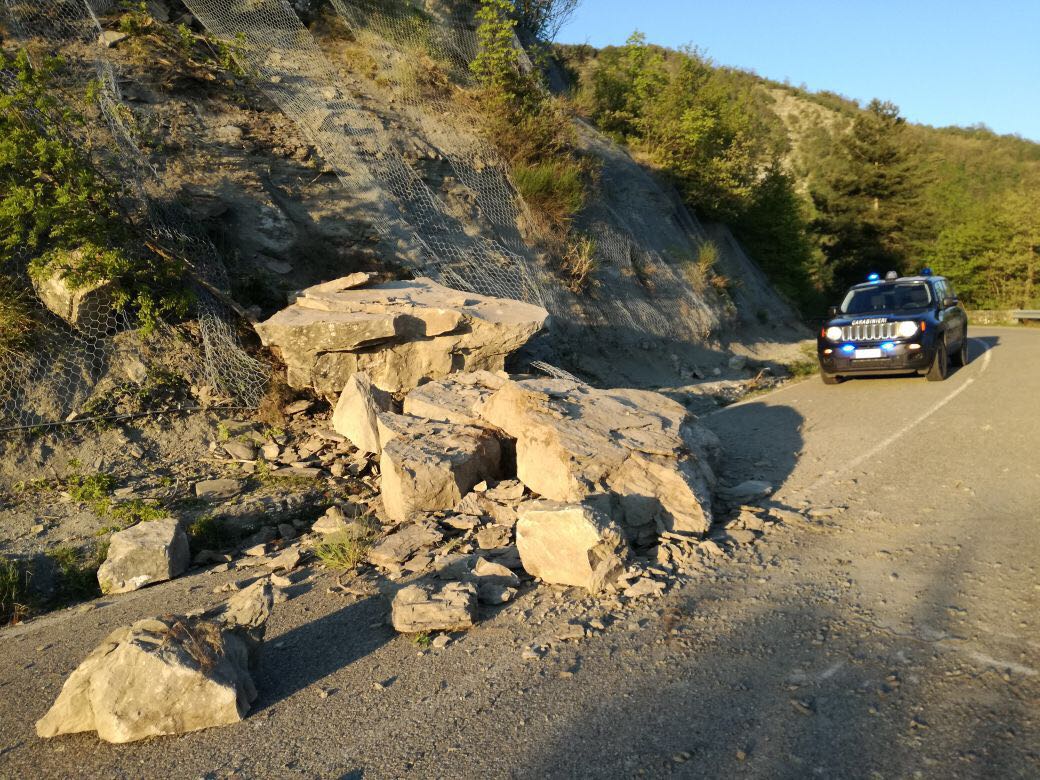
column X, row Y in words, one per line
column 148, row 552
column 573, row 441
column 400, row 333
column 432, row 607
column 571, row 544
column 431, row 466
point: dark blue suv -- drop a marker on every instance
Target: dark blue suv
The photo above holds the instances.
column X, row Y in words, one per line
column 895, row 325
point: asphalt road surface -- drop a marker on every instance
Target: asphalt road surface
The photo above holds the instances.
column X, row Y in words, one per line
column 891, row 634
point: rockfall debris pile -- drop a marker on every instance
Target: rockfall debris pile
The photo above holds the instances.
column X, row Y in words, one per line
column 449, row 486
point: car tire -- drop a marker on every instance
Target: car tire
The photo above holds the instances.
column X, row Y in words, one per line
column 940, row 364
column 961, row 358
column 830, row 379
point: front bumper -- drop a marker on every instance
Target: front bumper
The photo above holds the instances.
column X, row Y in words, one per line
column 901, row 359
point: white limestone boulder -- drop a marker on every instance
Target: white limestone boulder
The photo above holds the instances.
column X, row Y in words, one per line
column 400, row 333
column 144, row 554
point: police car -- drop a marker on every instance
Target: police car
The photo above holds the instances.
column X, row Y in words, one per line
column 895, row 325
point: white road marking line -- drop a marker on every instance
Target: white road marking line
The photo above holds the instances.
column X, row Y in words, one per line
column 902, row 431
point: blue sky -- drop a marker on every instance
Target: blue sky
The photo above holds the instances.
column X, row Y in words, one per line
column 942, row 63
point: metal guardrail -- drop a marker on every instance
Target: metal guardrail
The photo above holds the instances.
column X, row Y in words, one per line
column 1025, row 314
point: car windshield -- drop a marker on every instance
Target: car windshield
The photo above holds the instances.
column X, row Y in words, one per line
column 894, row 296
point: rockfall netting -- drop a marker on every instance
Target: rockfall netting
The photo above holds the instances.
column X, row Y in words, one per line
column 438, row 194
column 86, row 359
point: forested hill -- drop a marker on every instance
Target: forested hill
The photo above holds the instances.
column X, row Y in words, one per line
column 821, row 189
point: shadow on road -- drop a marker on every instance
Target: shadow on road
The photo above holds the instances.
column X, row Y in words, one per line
column 759, row 441
column 315, row 650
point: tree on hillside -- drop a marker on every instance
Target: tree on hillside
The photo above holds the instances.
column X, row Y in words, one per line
column 865, row 205
column 541, row 20
column 993, row 256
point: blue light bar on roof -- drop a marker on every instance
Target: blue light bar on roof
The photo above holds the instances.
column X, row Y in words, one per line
column 873, row 277
column 926, row 271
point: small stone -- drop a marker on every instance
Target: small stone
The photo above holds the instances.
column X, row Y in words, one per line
column 493, row 536
column 440, row 642
column 218, row 489
column 298, row 407
column 109, row 38
column 270, row 451
column 286, row 531
column 240, row 450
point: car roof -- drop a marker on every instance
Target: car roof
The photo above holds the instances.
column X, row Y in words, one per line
column 865, row 285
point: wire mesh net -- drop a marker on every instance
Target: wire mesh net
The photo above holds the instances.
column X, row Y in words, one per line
column 87, row 352
column 406, row 154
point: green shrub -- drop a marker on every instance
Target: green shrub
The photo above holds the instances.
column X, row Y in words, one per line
column 16, row 322
column 14, row 599
column 207, row 533
column 59, row 214
column 554, row 189
column 579, row 263
column 346, row 550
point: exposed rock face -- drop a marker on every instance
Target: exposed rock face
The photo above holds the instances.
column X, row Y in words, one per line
column 571, row 544
column 146, row 553
column 573, row 441
column 81, row 306
column 432, row 465
column 357, row 410
column 399, row 333
column 430, row 607
column 166, row 675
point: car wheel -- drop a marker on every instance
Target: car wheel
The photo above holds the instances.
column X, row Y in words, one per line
column 940, row 364
column 961, row 358
column 830, row 379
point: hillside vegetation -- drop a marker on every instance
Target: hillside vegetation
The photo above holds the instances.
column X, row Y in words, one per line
column 820, row 189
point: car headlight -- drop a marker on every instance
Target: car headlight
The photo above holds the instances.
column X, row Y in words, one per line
column 833, row 333
column 906, row 329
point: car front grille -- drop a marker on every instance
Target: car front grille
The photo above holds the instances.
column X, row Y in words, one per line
column 869, row 331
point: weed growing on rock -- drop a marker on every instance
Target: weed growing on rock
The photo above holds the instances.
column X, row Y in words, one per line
column 344, row 551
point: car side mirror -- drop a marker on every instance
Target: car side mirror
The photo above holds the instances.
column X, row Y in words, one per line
column 949, row 301
column 833, row 311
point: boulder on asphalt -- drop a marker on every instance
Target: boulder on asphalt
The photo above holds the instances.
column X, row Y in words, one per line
column 573, row 441
column 571, row 544
column 357, row 411
column 434, row 607
column 82, row 306
column 146, row 553
column 167, row 675
column 432, row 466
column 400, row 333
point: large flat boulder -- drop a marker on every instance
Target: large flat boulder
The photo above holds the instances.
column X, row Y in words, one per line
column 571, row 544
column 167, row 675
column 399, row 333
column 573, row 441
column 431, row 466
column 148, row 552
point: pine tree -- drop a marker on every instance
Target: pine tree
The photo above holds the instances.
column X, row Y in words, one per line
column 865, row 205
